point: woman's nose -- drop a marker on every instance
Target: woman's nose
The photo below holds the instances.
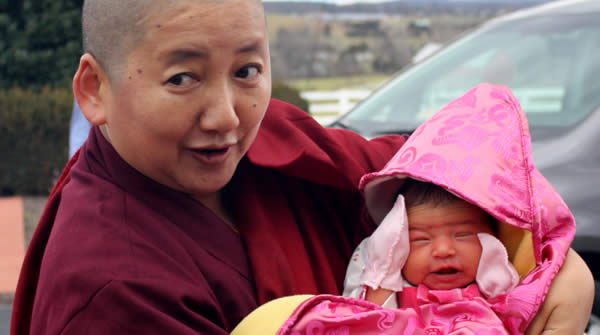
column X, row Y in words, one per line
column 443, row 247
column 219, row 113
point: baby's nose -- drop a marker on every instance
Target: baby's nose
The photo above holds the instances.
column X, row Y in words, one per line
column 443, row 247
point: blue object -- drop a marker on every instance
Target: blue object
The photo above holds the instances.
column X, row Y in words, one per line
column 79, row 131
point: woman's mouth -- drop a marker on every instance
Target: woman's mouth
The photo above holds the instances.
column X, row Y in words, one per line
column 212, row 155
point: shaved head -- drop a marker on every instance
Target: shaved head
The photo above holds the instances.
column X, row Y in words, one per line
column 111, row 28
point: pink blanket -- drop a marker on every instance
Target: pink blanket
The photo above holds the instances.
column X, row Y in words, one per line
column 458, row 311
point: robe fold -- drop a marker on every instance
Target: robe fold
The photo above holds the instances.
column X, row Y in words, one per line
column 117, row 253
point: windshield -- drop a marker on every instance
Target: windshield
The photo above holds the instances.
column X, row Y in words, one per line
column 550, row 63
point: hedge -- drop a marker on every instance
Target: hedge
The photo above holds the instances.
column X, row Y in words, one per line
column 289, row 94
column 34, row 134
column 34, row 131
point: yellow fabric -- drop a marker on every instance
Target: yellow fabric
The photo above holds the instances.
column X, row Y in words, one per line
column 268, row 318
column 519, row 245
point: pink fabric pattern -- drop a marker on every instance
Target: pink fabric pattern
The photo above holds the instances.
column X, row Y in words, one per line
column 457, row 311
column 479, row 148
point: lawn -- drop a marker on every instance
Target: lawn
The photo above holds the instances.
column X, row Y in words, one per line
column 335, row 83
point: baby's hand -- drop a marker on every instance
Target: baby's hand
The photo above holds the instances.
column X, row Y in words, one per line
column 378, row 296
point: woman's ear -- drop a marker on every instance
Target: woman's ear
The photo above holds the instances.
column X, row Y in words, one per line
column 89, row 83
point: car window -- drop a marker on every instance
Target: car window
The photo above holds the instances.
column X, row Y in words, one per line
column 537, row 76
column 546, row 61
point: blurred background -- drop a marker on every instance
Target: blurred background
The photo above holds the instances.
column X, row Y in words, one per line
column 327, row 56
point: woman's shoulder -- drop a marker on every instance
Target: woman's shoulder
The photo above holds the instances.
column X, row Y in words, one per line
column 290, row 137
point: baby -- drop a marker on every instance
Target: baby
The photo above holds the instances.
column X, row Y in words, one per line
column 438, row 241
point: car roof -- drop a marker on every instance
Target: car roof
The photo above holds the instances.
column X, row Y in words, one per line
column 559, row 7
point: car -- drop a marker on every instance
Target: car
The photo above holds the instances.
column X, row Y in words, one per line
column 549, row 55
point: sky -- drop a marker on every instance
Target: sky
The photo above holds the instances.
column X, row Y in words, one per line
column 339, row 2
column 345, row 2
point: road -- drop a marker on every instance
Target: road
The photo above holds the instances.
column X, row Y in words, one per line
column 5, row 312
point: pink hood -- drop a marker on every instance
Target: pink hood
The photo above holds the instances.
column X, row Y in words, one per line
column 479, row 148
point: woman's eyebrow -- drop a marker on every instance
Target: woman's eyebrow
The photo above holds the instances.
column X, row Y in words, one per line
column 254, row 46
column 183, row 54
column 180, row 55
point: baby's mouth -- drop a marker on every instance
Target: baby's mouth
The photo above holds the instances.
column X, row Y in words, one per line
column 446, row 271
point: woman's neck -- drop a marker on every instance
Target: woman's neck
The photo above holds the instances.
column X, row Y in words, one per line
column 215, row 203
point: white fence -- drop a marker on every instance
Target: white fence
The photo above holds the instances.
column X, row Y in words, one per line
column 326, row 106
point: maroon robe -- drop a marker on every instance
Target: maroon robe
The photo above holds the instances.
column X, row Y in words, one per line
column 117, row 253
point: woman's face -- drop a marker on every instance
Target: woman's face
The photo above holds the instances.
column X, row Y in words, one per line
column 444, row 247
column 194, row 94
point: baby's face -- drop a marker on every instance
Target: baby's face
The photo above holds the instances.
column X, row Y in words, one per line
column 444, row 248
column 193, row 93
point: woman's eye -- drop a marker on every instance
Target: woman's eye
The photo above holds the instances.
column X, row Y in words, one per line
column 248, row 72
column 181, row 80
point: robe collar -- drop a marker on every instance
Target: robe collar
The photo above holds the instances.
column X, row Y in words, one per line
column 102, row 160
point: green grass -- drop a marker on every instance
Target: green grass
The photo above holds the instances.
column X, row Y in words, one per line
column 336, row 83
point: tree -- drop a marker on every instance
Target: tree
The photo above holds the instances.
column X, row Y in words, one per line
column 392, row 55
column 40, row 42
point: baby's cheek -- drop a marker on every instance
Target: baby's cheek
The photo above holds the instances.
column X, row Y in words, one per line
column 416, row 267
column 473, row 254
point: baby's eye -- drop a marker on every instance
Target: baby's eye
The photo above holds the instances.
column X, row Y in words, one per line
column 181, row 80
column 419, row 239
column 465, row 234
column 248, row 72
